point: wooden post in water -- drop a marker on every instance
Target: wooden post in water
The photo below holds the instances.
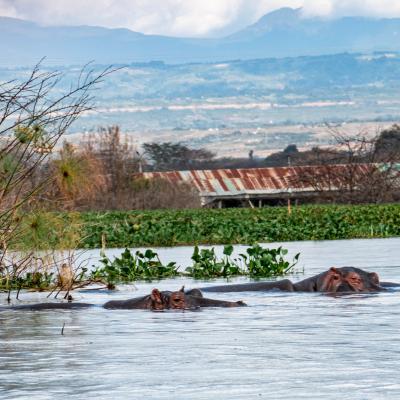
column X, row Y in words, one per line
column 103, row 242
column 289, row 204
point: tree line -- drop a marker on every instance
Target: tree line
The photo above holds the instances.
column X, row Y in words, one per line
column 101, row 172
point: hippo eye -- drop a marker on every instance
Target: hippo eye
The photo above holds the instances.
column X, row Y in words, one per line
column 336, row 277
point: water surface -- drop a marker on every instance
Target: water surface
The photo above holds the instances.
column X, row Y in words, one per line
column 283, row 346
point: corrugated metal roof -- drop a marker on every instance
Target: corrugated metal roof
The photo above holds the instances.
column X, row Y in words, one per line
column 235, row 182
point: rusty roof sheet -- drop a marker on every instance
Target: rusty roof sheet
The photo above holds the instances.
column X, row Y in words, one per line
column 233, row 182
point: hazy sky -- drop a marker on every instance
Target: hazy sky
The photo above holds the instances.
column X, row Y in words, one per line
column 182, row 17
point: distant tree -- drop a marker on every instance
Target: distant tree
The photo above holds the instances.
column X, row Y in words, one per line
column 170, row 156
column 387, row 145
column 291, row 149
column 315, row 156
column 231, row 163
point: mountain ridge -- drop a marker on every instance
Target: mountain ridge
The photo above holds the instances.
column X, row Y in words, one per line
column 285, row 32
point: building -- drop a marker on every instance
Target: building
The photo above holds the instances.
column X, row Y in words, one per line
column 256, row 187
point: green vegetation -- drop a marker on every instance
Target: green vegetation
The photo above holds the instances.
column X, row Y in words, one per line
column 206, row 265
column 131, row 267
column 49, row 231
column 41, row 230
column 40, row 236
column 259, row 262
column 230, row 226
column 31, row 280
column 267, row 262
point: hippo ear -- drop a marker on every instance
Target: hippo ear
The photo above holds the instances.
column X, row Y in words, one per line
column 335, row 270
column 182, row 289
column 374, row 277
column 155, row 295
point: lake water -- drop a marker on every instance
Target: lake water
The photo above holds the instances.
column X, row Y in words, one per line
column 283, row 346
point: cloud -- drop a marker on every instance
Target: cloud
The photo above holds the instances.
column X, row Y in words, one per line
column 182, row 17
column 176, row 17
column 337, row 8
column 7, row 10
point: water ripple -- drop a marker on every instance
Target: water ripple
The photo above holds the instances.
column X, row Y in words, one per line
column 282, row 346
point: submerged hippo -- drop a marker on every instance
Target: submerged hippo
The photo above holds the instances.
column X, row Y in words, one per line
column 156, row 301
column 335, row 280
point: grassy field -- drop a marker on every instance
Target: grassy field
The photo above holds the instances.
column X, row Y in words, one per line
column 231, row 226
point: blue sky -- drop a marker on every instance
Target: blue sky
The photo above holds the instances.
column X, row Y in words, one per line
column 182, row 17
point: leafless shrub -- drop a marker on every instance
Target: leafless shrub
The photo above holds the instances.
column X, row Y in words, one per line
column 119, row 160
column 33, row 117
column 361, row 168
column 160, row 194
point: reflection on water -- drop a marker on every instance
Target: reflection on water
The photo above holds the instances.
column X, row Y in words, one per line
column 283, row 346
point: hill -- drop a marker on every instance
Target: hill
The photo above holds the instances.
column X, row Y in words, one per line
column 282, row 33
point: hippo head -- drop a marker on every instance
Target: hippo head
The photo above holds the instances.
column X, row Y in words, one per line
column 348, row 279
column 177, row 300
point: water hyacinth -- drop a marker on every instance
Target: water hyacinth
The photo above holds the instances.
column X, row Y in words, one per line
column 131, row 267
column 239, row 226
column 259, row 262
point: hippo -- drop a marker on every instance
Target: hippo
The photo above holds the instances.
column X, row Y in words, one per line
column 171, row 300
column 335, row 280
column 156, row 301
